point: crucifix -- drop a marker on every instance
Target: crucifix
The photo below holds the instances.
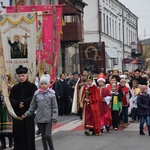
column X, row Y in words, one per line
column 25, row 43
column 87, row 93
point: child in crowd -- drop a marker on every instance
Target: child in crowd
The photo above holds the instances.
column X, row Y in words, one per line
column 125, row 102
column 44, row 101
column 113, row 80
column 116, row 106
column 134, row 92
column 105, row 105
column 143, row 103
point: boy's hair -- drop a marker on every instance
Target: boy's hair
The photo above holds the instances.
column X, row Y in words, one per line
column 114, row 77
column 136, row 81
column 123, row 80
column 137, row 70
column 61, row 75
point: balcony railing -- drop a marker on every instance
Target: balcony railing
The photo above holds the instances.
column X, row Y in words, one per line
column 72, row 32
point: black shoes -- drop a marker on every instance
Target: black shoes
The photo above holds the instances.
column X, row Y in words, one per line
column 141, row 132
column 11, row 144
column 38, row 132
column 107, row 128
column 3, row 147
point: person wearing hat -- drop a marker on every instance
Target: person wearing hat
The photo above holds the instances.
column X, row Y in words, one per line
column 44, row 101
column 91, row 108
column 105, row 105
column 20, row 97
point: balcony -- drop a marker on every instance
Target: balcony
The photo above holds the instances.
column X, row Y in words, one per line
column 72, row 32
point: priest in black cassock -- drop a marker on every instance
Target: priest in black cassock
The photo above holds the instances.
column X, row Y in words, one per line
column 20, row 98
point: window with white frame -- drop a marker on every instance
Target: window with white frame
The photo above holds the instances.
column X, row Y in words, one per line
column 104, row 23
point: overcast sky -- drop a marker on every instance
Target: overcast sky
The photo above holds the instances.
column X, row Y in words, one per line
column 141, row 8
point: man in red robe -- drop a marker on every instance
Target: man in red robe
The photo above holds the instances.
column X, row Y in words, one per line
column 91, row 108
column 105, row 104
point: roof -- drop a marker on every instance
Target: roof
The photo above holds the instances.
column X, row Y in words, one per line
column 69, row 8
column 126, row 8
column 146, row 42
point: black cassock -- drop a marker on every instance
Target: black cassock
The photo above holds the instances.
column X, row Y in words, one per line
column 23, row 130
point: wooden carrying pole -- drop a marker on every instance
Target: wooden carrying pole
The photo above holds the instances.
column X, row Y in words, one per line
column 16, row 5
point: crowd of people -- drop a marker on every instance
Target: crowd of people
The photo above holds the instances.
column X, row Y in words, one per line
column 112, row 98
column 103, row 103
column 108, row 101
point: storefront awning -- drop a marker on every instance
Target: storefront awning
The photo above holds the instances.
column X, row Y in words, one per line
column 111, row 52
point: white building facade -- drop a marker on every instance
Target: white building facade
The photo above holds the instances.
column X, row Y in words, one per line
column 4, row 3
column 111, row 22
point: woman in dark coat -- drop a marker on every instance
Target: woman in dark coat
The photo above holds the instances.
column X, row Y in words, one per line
column 143, row 103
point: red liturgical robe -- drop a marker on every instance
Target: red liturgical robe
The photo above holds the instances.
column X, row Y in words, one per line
column 105, row 107
column 91, row 109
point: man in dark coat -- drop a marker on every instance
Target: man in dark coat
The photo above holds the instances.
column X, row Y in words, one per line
column 62, row 92
column 138, row 77
column 20, row 98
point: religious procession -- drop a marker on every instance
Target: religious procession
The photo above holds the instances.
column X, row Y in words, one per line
column 42, row 106
column 104, row 104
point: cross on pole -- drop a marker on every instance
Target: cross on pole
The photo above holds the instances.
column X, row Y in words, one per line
column 25, row 43
column 26, row 36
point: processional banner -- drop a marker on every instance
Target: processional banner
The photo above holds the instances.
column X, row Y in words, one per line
column 49, row 25
column 19, row 42
column 3, row 83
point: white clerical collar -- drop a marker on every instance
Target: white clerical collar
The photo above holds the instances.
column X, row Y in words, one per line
column 90, row 85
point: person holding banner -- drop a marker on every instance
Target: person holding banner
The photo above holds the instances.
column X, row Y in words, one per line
column 20, row 98
column 5, row 119
column 5, row 124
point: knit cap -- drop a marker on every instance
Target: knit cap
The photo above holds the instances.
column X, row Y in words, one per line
column 44, row 79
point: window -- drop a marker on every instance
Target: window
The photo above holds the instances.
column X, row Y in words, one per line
column 113, row 28
column 104, row 23
column 107, row 25
column 129, row 38
column 135, row 37
column 119, row 32
column 110, row 25
column 127, row 35
column 116, row 29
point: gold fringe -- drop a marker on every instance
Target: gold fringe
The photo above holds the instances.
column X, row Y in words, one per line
column 23, row 18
